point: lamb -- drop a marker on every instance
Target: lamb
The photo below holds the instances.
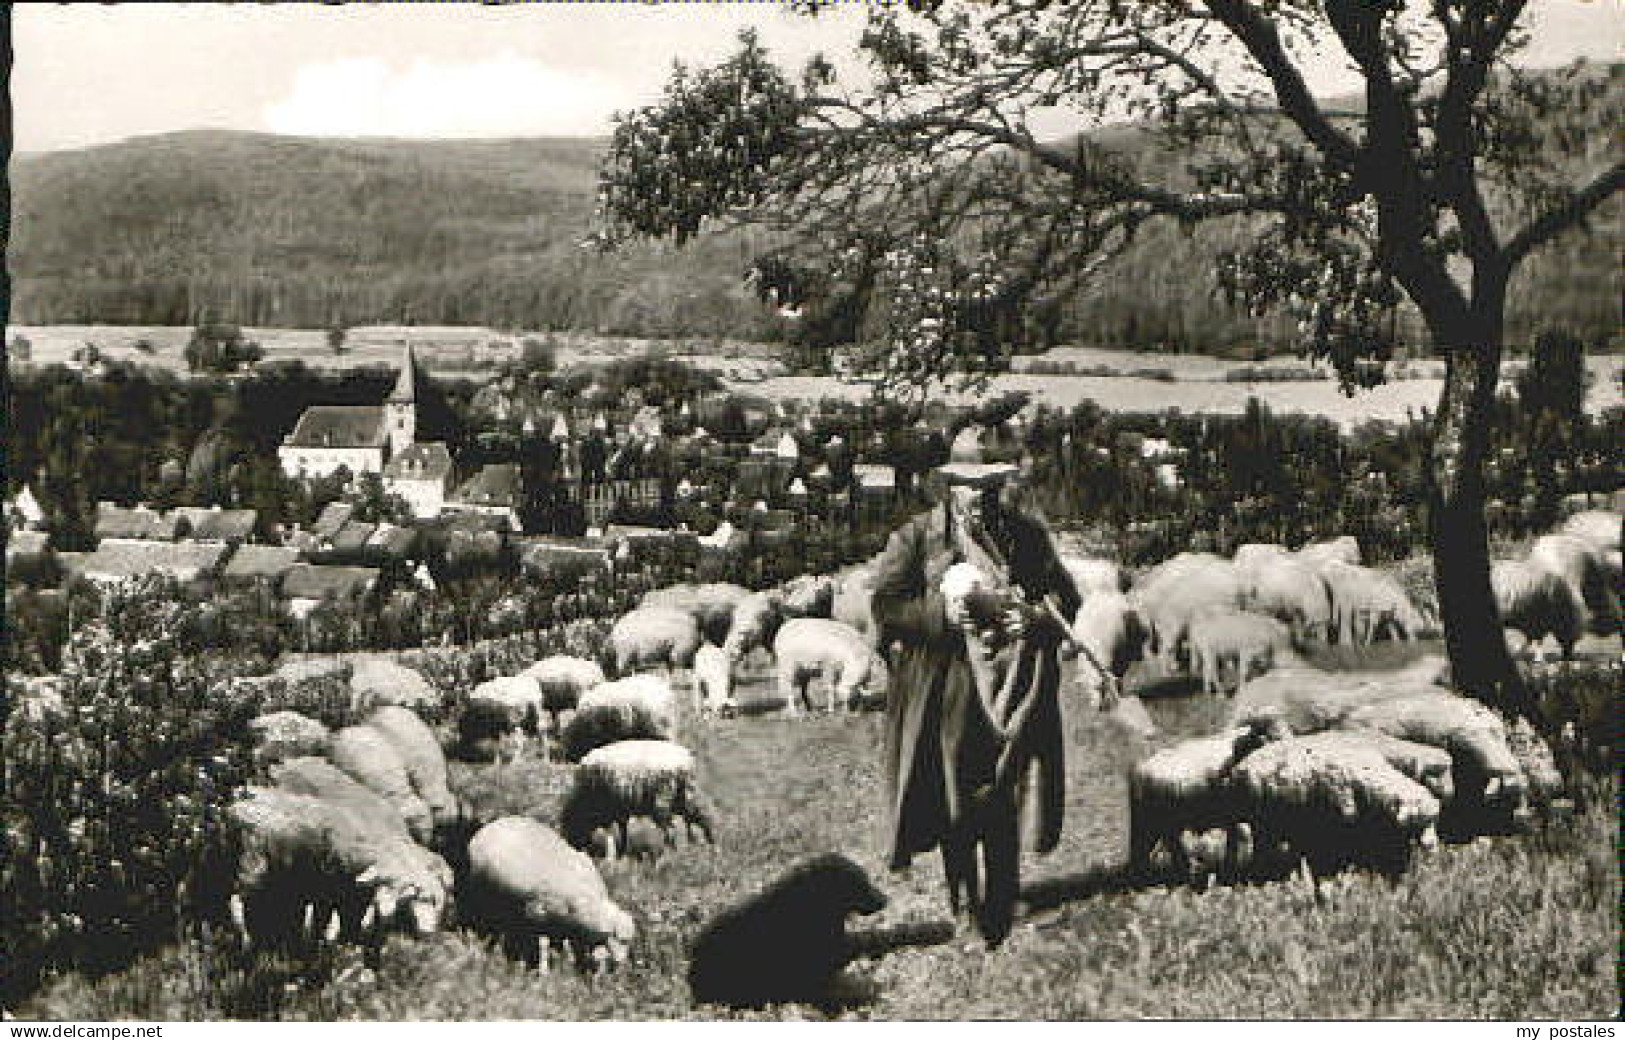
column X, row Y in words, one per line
column 562, row 679
column 303, row 849
column 652, row 778
column 853, row 603
column 637, row 707
column 1186, row 788
column 377, row 681
column 421, row 754
column 506, row 708
column 1221, row 637
column 787, row 943
column 528, row 884
column 653, row 637
column 806, row 648
column 369, row 757
column 281, row 735
column 1111, row 629
column 713, row 677
column 1333, row 798
column 1537, row 603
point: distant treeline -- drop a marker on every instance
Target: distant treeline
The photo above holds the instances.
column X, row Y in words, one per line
column 264, row 230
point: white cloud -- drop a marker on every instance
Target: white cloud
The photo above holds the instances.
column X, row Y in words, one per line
column 503, row 96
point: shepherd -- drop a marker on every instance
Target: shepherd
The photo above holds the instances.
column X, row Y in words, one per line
column 974, row 721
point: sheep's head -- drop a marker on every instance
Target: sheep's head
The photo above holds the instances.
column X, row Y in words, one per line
column 415, row 899
column 810, row 595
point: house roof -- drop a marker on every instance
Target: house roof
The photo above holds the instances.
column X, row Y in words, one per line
column 334, row 516
column 261, row 561
column 316, row 581
column 27, row 543
column 353, row 536
column 494, row 485
column 118, row 558
column 218, row 525
column 339, row 426
column 140, row 522
column 393, row 540
column 420, row 462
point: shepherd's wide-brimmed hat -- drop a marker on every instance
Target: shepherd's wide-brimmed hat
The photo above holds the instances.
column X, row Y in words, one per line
column 976, row 474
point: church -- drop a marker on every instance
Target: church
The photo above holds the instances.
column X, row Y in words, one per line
column 362, row 438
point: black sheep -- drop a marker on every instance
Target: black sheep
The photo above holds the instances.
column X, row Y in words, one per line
column 788, row 942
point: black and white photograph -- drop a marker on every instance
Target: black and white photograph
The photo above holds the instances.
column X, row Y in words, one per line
column 817, row 511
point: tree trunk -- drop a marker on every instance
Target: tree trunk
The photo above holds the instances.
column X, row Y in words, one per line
column 1480, row 664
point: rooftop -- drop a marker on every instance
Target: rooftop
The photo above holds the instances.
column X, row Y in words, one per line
column 139, row 522
column 315, row 581
column 494, row 485
column 117, row 558
column 261, row 561
column 339, row 426
column 431, row 461
column 217, row 525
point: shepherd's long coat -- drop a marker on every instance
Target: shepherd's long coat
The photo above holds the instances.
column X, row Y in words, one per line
column 941, row 746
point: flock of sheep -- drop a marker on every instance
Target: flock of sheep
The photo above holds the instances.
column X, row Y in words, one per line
column 359, row 831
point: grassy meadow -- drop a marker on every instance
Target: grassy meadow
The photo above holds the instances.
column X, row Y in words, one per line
column 1521, row 927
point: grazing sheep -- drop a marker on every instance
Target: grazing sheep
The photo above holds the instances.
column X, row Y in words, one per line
column 1175, row 591
column 1256, row 554
column 1291, row 591
column 1334, row 799
column 281, row 735
column 1345, row 549
column 1094, row 576
column 1543, row 782
column 807, row 596
column 303, row 850
column 377, row 681
column 637, row 707
column 370, row 758
column 653, row 778
column 1368, row 605
column 506, row 709
column 759, row 616
column 1486, row 771
column 1582, row 565
column 320, row 778
column 653, row 637
column 1220, row 638
column 853, row 603
column 713, row 678
column 1537, row 603
column 787, row 943
column 1186, row 788
column 1428, row 766
column 806, row 648
column 562, row 679
column 1111, row 629
column 424, row 760
column 711, row 604
column 1600, row 527
column 1310, row 700
column 527, row 884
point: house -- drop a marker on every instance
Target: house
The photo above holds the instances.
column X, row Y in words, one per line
column 259, row 565
column 139, row 522
column 232, row 526
column 332, row 520
column 360, row 438
column 306, row 585
column 600, row 500
column 119, row 559
column 494, row 491
column 422, row 475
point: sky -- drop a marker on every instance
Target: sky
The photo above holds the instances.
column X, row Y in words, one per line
column 87, row 74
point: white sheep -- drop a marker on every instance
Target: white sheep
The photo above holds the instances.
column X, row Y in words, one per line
column 631, row 778
column 508, row 708
column 562, row 679
column 713, row 679
column 809, row 648
column 1175, row 591
column 370, row 758
column 1186, row 789
column 421, row 753
column 1333, row 798
column 1292, row 591
column 1109, row 627
column 281, row 735
column 1485, row 767
column 1093, row 576
column 636, row 707
column 1255, row 554
column 303, row 850
column 532, row 887
column 1344, row 549
column 758, row 617
column 1368, row 605
column 1537, row 603
column 376, row 681
column 653, row 637
column 1582, row 564
column 1222, row 638
column 1600, row 527
column 711, row 604
column 853, row 603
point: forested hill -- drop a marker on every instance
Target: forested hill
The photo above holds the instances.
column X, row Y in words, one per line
column 268, row 230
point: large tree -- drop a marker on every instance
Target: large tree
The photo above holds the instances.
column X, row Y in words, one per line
column 930, row 161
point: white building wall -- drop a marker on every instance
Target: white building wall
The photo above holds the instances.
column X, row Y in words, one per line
column 322, row 462
column 426, row 497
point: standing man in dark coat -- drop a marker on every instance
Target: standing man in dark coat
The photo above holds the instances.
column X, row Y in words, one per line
column 974, row 713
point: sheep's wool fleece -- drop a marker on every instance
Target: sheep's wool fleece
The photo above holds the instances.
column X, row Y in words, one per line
column 562, row 679
column 377, row 681
column 650, row 693
column 631, row 766
column 420, row 752
column 281, row 735
column 1444, row 720
column 527, row 860
column 1189, row 768
column 515, row 694
column 1334, row 769
column 319, row 778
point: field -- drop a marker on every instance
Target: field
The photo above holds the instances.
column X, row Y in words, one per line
column 1517, row 927
column 1194, row 383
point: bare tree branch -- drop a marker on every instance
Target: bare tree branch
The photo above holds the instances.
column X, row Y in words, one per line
column 1554, row 222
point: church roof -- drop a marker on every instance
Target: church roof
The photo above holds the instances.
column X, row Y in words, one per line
column 339, row 426
column 406, row 384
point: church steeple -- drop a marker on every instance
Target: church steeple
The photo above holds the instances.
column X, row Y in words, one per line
column 400, row 407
